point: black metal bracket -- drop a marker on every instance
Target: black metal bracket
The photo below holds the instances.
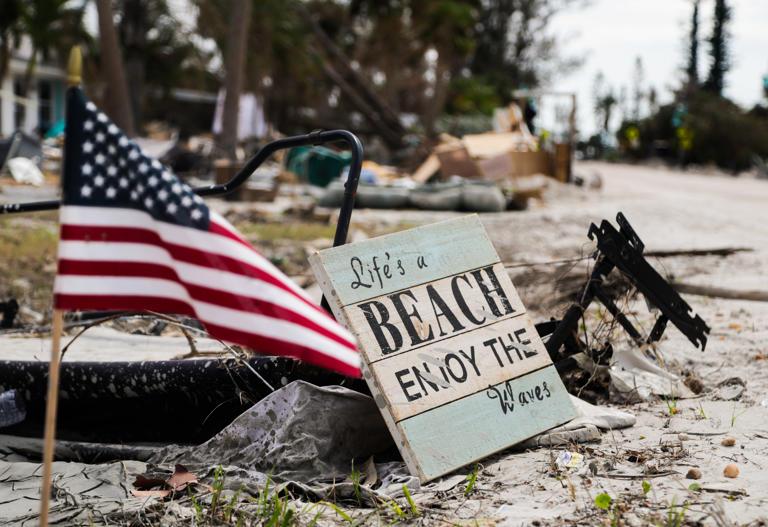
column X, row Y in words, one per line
column 623, row 250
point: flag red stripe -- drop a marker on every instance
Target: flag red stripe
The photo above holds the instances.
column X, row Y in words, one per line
column 177, row 252
column 130, row 303
column 167, row 305
column 221, row 230
column 303, row 353
column 197, row 292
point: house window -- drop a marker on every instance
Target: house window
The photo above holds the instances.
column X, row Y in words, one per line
column 45, row 103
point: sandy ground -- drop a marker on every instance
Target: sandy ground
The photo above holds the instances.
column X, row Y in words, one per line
column 669, row 210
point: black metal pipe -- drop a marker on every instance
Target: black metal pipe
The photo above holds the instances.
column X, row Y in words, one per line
column 314, row 138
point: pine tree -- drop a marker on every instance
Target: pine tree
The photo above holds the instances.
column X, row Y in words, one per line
column 718, row 49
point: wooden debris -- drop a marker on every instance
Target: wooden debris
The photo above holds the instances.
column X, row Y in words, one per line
column 492, row 144
column 719, row 251
column 426, row 170
column 457, row 162
column 721, row 292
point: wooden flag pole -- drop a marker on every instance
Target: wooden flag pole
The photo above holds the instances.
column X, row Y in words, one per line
column 50, row 416
column 74, row 70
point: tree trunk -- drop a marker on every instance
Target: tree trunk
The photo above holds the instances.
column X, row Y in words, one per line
column 134, row 28
column 116, row 101
column 385, row 116
column 239, row 22
column 436, row 104
column 391, row 137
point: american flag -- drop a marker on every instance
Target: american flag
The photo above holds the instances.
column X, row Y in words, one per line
column 133, row 236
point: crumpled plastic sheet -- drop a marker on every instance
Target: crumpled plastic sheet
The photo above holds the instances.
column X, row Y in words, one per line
column 636, row 378
column 303, row 436
column 80, row 493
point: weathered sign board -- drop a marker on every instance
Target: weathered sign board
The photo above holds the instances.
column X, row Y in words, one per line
column 452, row 359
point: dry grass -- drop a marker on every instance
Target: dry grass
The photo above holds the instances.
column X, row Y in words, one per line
column 300, row 231
column 28, row 259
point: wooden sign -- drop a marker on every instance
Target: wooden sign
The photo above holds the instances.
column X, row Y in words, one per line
column 452, row 359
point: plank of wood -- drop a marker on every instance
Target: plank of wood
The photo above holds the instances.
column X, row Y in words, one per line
column 426, row 170
column 434, row 305
column 457, row 434
column 444, row 249
column 493, row 143
column 717, row 251
column 721, row 292
column 428, row 377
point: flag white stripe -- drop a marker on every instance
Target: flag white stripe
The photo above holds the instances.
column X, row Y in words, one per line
column 175, row 234
column 195, row 274
column 230, row 318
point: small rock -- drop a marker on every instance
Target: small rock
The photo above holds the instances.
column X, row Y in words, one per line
column 683, row 437
column 728, row 441
column 694, row 473
column 731, row 471
column 694, row 384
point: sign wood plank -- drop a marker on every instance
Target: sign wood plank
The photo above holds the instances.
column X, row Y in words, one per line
column 401, row 260
column 453, row 361
column 434, row 311
column 415, row 382
column 488, row 421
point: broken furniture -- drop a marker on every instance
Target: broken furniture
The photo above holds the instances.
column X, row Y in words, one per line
column 621, row 250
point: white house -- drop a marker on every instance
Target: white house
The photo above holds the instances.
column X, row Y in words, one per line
column 44, row 104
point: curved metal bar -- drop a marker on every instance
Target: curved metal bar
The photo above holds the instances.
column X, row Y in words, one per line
column 314, row 138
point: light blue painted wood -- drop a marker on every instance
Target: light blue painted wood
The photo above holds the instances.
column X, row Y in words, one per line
column 448, row 248
column 464, row 431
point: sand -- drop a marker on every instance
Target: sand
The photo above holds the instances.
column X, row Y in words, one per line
column 669, row 210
